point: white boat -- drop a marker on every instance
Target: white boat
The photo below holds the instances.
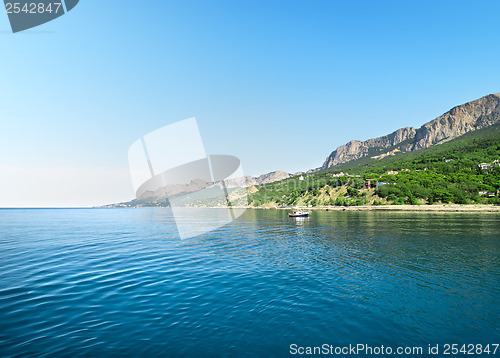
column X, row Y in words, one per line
column 298, row 214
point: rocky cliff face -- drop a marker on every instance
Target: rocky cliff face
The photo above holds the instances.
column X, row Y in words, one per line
column 272, row 177
column 459, row 120
column 356, row 149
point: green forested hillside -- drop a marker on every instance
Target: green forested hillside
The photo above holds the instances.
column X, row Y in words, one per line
column 445, row 173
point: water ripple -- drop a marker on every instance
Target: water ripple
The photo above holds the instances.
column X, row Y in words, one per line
column 120, row 282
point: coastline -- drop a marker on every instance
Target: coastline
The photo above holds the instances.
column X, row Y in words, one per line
column 419, row 208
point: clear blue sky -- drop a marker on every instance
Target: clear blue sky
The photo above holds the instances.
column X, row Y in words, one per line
column 263, row 79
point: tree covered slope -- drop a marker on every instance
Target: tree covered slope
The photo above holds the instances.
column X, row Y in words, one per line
column 463, row 170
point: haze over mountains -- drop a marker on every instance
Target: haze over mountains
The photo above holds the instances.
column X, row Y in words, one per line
column 198, row 184
column 467, row 117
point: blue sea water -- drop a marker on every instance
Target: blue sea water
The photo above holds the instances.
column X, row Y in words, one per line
column 119, row 282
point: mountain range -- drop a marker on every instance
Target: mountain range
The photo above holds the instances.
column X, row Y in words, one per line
column 160, row 195
column 461, row 119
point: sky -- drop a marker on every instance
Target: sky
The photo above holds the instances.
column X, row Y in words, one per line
column 278, row 84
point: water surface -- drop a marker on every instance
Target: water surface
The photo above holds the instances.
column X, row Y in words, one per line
column 119, row 282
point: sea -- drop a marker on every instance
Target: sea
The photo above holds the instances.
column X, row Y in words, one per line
column 121, row 283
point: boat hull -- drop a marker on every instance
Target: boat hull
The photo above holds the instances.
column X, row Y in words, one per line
column 298, row 215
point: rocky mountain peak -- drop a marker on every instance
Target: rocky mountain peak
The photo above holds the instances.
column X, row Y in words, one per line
column 356, row 149
column 459, row 120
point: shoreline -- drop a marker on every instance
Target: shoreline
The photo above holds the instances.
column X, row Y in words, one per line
column 394, row 208
column 419, row 208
